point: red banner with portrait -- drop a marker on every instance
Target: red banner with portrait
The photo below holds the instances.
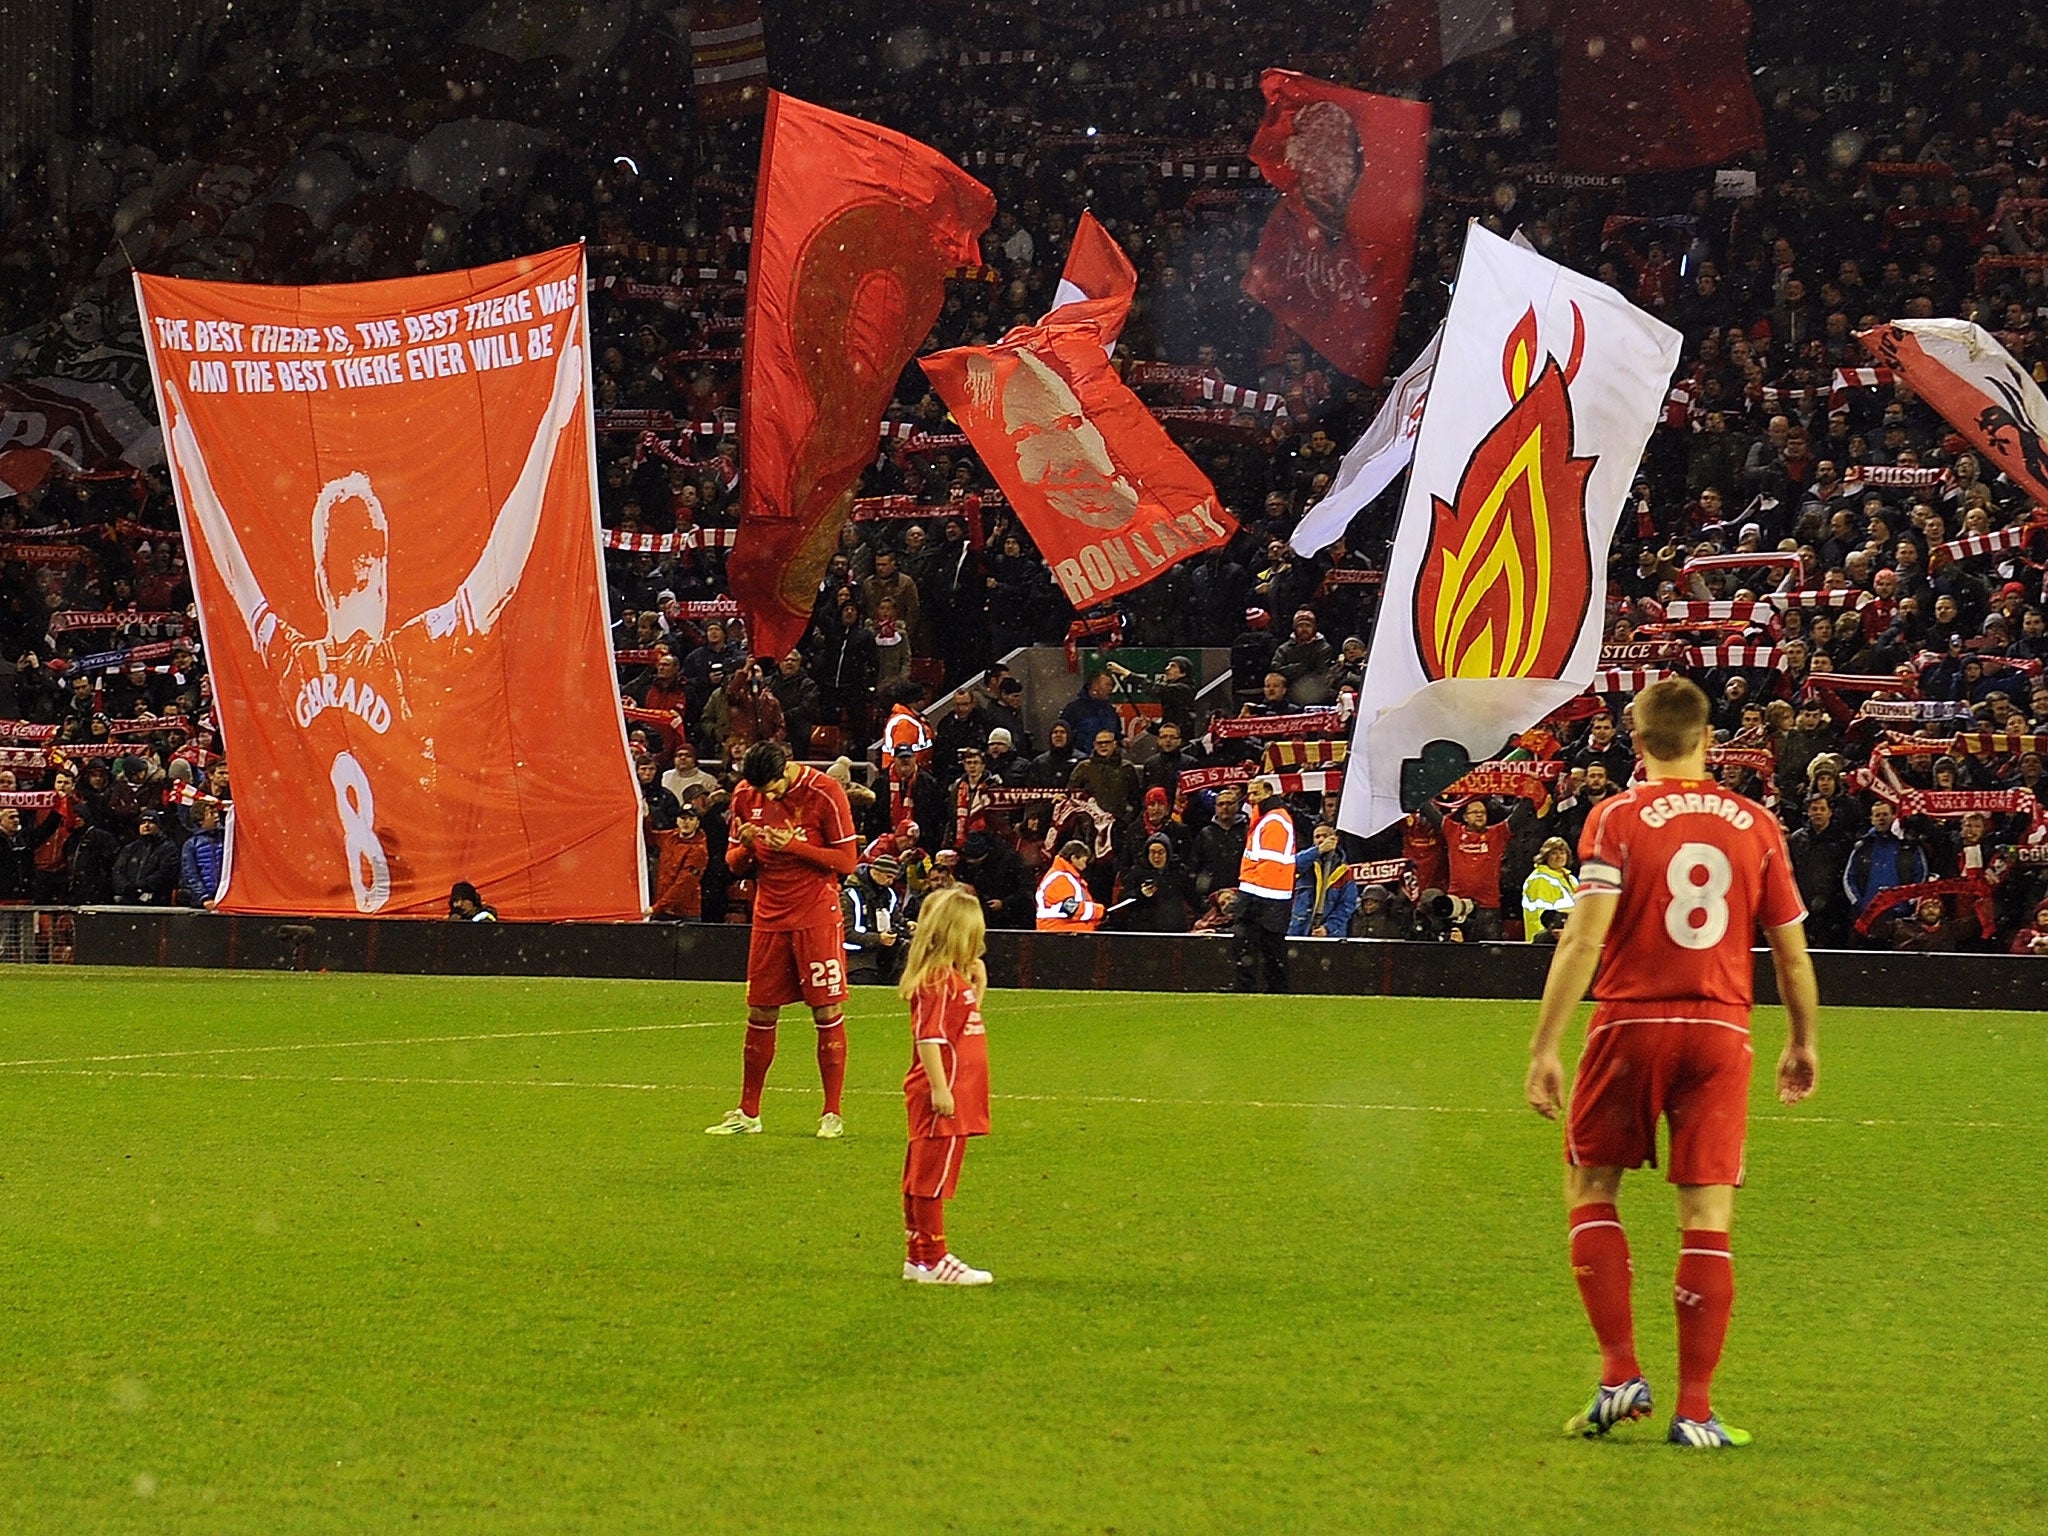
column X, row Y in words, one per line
column 1333, row 262
column 388, row 494
column 1109, row 498
column 855, row 229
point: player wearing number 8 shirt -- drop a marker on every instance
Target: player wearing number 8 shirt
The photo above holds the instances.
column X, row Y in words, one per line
column 1676, row 876
column 792, row 830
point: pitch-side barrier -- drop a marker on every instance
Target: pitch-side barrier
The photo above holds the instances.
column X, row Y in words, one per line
column 1101, row 962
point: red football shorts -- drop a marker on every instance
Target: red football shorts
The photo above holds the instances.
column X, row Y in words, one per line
column 788, row 964
column 1693, row 1072
column 931, row 1166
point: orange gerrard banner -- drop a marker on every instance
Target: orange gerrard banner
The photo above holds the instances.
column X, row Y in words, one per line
column 388, row 491
column 1109, row 498
column 855, row 229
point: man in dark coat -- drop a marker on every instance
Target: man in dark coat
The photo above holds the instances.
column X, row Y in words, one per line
column 146, row 870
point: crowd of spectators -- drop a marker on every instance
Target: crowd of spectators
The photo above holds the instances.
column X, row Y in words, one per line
column 1904, row 177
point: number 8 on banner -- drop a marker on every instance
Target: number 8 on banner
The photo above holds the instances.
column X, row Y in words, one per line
column 357, row 808
column 1708, row 899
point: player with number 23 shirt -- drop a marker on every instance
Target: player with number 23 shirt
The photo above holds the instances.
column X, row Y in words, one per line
column 1676, row 876
column 793, row 831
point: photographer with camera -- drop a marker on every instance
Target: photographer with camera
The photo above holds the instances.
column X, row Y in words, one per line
column 874, row 909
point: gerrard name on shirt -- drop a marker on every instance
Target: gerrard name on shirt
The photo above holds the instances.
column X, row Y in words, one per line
column 1692, row 803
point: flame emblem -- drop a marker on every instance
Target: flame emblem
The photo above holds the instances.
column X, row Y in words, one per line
column 1508, row 575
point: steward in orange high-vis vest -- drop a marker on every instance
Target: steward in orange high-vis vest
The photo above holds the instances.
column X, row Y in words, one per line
column 1064, row 905
column 905, row 727
column 1265, row 888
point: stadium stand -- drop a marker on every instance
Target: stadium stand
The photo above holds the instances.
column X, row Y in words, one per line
column 1808, row 540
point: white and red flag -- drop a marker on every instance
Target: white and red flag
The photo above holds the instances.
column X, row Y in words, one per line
column 1546, row 391
column 1376, row 460
column 1410, row 40
column 1978, row 388
column 1097, row 284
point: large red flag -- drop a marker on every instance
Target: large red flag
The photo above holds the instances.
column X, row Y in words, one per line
column 1098, row 282
column 1109, row 498
column 855, row 229
column 1667, row 91
column 1333, row 262
column 390, row 504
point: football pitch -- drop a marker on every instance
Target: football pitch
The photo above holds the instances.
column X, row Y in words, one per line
column 289, row 1253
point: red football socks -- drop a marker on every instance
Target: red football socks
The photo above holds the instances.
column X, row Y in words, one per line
column 832, row 1062
column 760, row 1052
column 1601, row 1265
column 1705, row 1294
column 926, row 1221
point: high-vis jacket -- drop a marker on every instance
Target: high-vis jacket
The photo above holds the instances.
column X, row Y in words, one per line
column 1064, row 905
column 1268, row 867
column 905, row 727
column 1546, row 890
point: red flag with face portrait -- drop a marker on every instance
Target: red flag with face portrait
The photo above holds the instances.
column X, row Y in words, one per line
column 389, row 499
column 1110, row 499
column 1333, row 263
column 855, row 229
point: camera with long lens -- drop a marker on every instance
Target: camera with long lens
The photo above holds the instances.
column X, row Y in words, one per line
column 1441, row 913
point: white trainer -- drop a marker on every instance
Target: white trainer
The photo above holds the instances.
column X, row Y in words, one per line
column 916, row 1272
column 737, row 1122
column 950, row 1271
column 830, row 1127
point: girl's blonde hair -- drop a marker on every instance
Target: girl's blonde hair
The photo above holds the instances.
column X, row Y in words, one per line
column 951, row 935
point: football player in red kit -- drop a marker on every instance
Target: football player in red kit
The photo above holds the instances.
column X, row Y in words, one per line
column 945, row 1091
column 793, row 831
column 1676, row 875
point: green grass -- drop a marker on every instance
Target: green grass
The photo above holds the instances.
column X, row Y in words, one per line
column 286, row 1254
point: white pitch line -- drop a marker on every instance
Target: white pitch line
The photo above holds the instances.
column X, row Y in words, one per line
column 348, row 1045
column 60, row 1070
column 1340, row 1106
column 515, row 1034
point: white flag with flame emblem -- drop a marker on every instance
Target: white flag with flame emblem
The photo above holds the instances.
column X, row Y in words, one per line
column 1546, row 391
